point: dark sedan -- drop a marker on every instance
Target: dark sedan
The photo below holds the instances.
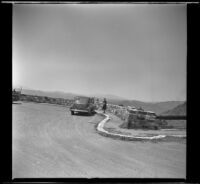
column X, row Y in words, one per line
column 83, row 105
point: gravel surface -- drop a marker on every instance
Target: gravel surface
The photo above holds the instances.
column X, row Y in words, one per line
column 49, row 142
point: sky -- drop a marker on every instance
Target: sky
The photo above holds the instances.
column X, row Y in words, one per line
column 133, row 51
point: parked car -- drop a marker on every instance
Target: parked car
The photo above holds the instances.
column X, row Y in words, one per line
column 83, row 105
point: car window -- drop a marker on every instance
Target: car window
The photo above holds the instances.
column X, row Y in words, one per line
column 91, row 100
column 81, row 100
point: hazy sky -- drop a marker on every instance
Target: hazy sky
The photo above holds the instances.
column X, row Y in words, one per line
column 132, row 51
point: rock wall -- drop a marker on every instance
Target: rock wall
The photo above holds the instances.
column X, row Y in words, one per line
column 119, row 111
column 44, row 99
column 131, row 121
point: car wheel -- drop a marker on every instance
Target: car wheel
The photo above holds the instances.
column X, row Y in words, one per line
column 89, row 112
column 72, row 112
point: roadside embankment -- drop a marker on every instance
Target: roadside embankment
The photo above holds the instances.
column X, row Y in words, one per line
column 110, row 127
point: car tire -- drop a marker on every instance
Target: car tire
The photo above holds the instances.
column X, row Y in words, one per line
column 89, row 112
column 72, row 112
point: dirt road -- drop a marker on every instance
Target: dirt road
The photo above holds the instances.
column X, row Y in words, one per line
column 49, row 142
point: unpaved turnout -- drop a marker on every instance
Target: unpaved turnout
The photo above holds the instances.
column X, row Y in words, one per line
column 49, row 142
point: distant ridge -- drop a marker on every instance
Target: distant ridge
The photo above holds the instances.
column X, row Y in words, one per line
column 178, row 110
column 53, row 94
column 109, row 96
column 157, row 107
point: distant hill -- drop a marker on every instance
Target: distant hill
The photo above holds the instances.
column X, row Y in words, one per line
column 158, row 107
column 55, row 94
column 108, row 96
column 178, row 110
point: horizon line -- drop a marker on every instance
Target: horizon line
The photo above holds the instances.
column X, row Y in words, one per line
column 100, row 94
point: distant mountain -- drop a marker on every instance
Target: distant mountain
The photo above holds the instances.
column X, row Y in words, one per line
column 158, row 107
column 55, row 94
column 109, row 96
column 59, row 94
column 178, row 110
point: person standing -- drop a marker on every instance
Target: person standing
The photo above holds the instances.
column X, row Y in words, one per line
column 104, row 105
column 97, row 103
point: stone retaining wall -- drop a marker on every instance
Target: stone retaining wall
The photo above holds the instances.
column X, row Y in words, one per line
column 130, row 120
column 44, row 99
column 117, row 110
